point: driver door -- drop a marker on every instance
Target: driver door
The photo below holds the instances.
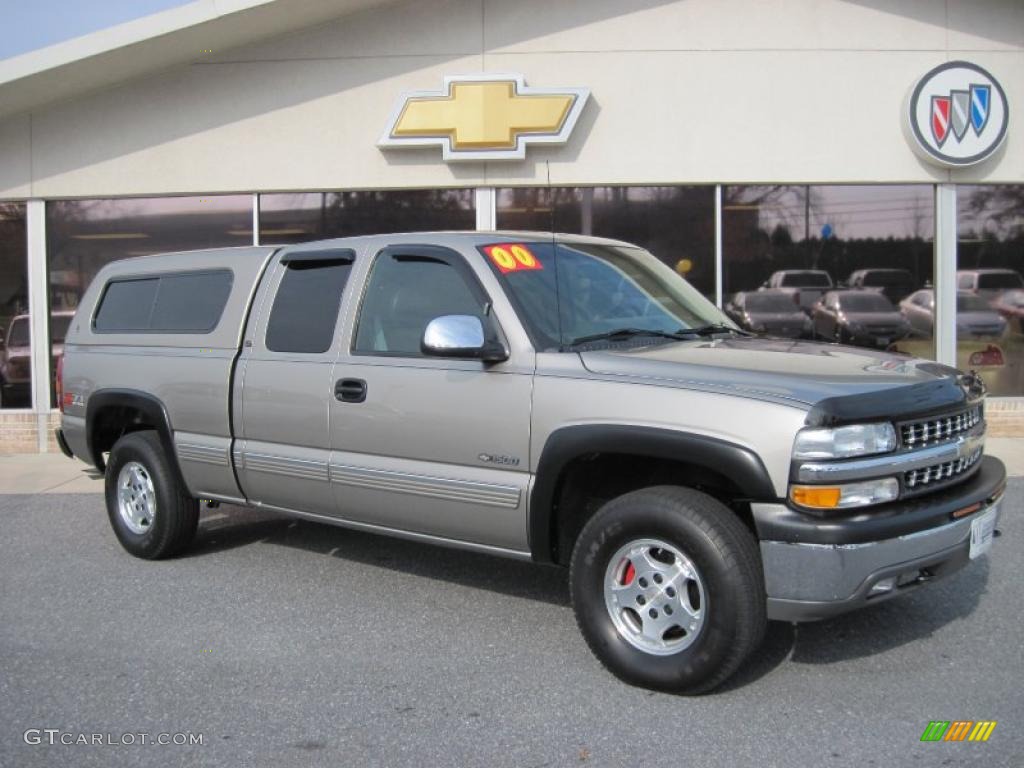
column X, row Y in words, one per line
column 433, row 446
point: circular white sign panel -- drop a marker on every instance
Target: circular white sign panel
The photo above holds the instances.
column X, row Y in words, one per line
column 957, row 114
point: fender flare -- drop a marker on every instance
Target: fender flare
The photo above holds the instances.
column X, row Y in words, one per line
column 739, row 464
column 151, row 407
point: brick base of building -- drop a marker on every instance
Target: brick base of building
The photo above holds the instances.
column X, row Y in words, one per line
column 19, row 432
column 1005, row 416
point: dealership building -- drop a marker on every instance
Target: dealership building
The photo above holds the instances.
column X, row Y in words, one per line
column 731, row 138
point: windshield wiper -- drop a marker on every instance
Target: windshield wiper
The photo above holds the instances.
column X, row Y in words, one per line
column 621, row 334
column 708, row 330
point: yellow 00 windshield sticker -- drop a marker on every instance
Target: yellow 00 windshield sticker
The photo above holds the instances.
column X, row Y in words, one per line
column 512, row 257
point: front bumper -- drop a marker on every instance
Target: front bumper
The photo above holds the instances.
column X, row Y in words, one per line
column 819, row 567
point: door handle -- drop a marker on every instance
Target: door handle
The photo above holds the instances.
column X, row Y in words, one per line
column 350, row 390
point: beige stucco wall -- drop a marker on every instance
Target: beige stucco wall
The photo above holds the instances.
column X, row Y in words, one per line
column 682, row 91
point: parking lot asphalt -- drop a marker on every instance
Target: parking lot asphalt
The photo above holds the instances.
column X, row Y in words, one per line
column 292, row 643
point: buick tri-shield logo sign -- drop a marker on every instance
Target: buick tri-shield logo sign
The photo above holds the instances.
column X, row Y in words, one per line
column 957, row 114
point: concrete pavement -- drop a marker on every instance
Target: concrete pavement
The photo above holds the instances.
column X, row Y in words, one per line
column 289, row 643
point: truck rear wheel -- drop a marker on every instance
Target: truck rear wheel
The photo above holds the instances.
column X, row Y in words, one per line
column 668, row 589
column 152, row 515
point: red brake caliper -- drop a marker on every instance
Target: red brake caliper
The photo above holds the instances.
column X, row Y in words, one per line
column 628, row 574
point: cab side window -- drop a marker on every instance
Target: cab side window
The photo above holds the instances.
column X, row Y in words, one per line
column 306, row 306
column 406, row 292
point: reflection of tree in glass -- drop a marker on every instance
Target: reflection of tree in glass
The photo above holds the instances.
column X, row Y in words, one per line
column 997, row 209
column 991, row 226
column 344, row 214
column 13, row 267
column 775, row 227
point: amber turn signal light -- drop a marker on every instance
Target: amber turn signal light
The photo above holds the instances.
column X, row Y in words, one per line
column 816, row 496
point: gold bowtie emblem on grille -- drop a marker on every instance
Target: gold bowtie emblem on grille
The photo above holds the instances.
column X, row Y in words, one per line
column 485, row 117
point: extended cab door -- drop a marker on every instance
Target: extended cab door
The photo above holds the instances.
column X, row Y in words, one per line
column 424, row 444
column 284, row 382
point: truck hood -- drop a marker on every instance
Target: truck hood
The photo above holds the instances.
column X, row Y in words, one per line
column 781, row 370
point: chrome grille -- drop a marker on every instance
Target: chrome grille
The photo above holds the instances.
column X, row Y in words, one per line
column 938, row 473
column 920, row 433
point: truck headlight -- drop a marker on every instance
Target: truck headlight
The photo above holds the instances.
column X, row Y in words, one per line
column 846, row 495
column 844, row 442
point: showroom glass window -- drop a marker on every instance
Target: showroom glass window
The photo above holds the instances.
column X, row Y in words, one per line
column 810, row 245
column 990, row 286
column 84, row 235
column 676, row 224
column 298, row 217
column 15, row 357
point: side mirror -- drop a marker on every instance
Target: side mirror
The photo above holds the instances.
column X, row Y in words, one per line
column 461, row 337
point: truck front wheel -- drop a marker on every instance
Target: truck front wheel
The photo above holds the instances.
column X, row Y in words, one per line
column 152, row 515
column 668, row 589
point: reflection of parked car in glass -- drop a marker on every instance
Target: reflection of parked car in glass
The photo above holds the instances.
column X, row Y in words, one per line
column 16, row 365
column 893, row 283
column 1011, row 306
column 865, row 318
column 769, row 312
column 16, row 360
column 806, row 286
column 988, row 283
column 974, row 319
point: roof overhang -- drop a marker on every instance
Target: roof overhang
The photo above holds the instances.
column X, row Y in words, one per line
column 153, row 43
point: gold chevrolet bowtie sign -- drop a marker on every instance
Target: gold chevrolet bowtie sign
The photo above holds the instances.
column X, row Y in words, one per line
column 485, row 117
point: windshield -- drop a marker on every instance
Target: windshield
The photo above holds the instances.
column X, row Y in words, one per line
column 968, row 302
column 600, row 288
column 769, row 302
column 887, row 277
column 866, row 302
column 998, row 280
column 807, row 280
column 18, row 335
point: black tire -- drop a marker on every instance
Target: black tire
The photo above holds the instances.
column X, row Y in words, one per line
column 725, row 555
column 176, row 515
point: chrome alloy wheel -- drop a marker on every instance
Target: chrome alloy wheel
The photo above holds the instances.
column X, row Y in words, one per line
column 136, row 500
column 655, row 596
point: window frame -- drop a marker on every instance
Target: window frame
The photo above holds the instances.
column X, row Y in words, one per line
column 441, row 253
column 159, row 276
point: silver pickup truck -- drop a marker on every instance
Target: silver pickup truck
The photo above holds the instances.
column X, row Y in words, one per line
column 561, row 399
